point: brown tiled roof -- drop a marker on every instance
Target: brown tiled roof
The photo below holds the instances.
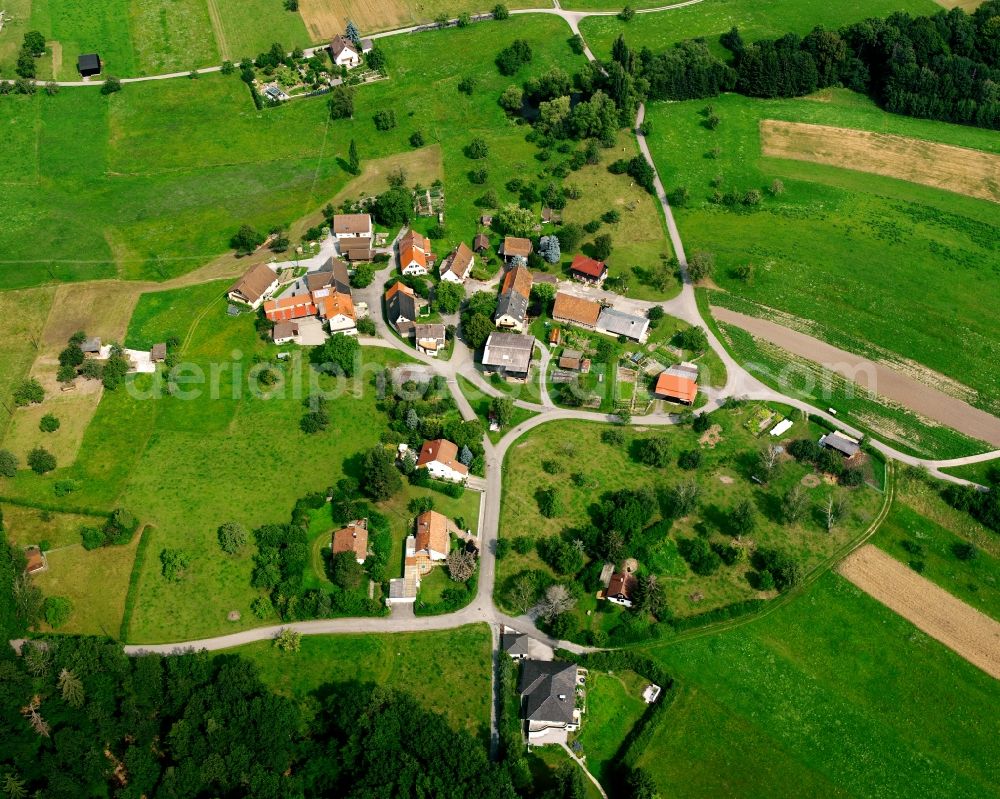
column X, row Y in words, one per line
column 588, row 266
column 576, row 309
column 352, row 538
column 36, row 560
column 442, row 451
column 340, row 43
column 297, row 306
column 398, row 287
column 158, row 352
column 284, row 330
column 512, row 245
column 622, row 584
column 570, row 359
column 352, row 224
column 254, row 283
column 459, row 262
column 481, row 242
column 432, row 532
column 519, row 279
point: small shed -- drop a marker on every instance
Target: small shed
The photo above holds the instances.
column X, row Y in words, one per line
column 91, row 346
column 88, row 64
column 481, row 243
column 158, row 353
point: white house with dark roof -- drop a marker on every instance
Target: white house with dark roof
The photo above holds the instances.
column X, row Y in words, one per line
column 548, row 700
column 344, row 52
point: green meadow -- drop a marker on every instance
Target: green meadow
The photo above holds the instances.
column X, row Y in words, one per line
column 831, row 695
column 889, row 267
column 186, row 465
column 460, row 660
column 756, row 19
column 151, row 182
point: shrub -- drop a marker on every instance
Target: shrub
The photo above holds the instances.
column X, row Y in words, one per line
column 58, row 609
column 522, row 544
column 261, row 607
column 64, row 487
column 48, row 423
column 111, row 85
column 246, row 240
column 512, row 58
column 92, row 538
column 500, row 12
column 232, row 537
column 8, row 463
column 417, row 139
column 41, row 460
column 702, row 559
column 602, row 247
column 385, row 119
column 477, row 148
column 963, row 550
column 467, row 85
column 29, row 392
column 174, row 564
column 689, row 459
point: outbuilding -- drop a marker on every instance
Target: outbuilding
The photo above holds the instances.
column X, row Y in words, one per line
column 88, row 65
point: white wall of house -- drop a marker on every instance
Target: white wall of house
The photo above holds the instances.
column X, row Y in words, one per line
column 347, row 58
column 451, row 277
column 413, row 268
column 444, row 472
column 508, row 322
column 235, row 297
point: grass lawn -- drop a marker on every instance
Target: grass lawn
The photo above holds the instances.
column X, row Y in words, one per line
column 922, row 529
column 724, row 478
column 711, row 18
column 936, row 251
column 545, row 760
column 639, row 238
column 169, row 170
column 480, row 403
column 22, row 319
column 831, row 695
column 182, row 465
column 614, row 705
column 82, row 27
column 982, row 473
column 172, row 36
column 26, row 525
column 96, row 582
column 244, row 28
column 461, row 660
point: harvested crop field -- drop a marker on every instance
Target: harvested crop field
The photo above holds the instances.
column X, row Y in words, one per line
column 961, row 628
column 878, row 378
column 942, row 166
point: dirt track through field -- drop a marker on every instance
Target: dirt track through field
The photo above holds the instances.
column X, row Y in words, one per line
column 929, row 402
column 960, row 627
column 942, row 166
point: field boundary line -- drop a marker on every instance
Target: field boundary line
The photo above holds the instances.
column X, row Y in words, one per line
column 220, row 34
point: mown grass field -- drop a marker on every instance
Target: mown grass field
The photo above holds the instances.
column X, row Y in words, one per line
column 188, row 465
column 889, row 267
column 982, row 473
column 167, row 171
column 922, row 530
column 481, row 401
column 461, row 661
column 577, row 449
column 244, row 28
column 831, row 695
column 614, row 705
column 711, row 18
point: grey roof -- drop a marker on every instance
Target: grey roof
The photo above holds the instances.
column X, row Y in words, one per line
column 622, row 324
column 512, row 351
column 515, row 643
column 513, row 304
column 683, row 370
column 402, row 305
column 840, row 443
column 549, row 690
column 284, row 330
column 92, row 344
column 430, row 331
column 88, row 61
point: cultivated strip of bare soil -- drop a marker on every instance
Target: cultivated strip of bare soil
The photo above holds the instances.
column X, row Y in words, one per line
column 960, row 627
column 929, row 402
column 942, row 166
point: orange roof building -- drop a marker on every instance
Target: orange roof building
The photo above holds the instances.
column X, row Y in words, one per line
column 432, row 535
column 514, row 246
column 352, row 538
column 676, row 388
column 285, row 309
column 440, row 458
column 588, row 269
column 414, row 254
column 568, row 308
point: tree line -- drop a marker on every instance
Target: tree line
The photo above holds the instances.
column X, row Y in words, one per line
column 945, row 66
column 80, row 718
